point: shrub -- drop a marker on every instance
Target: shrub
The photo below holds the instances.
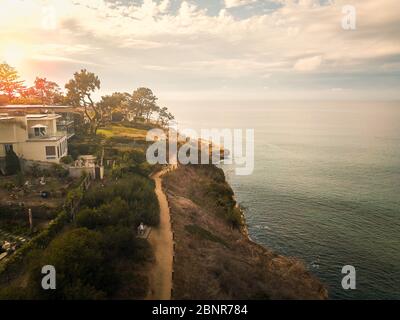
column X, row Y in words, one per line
column 234, row 217
column 59, row 171
column 73, row 197
column 110, row 214
column 78, row 148
column 67, row 160
column 120, row 242
column 13, row 293
column 35, row 170
column 82, row 271
column 20, row 179
column 9, row 186
column 136, row 191
column 87, row 218
column 117, row 172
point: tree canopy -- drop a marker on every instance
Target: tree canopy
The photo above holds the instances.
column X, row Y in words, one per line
column 10, row 85
column 48, row 92
column 79, row 94
column 140, row 106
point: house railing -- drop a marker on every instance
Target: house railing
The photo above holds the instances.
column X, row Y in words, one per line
column 51, row 135
column 65, row 122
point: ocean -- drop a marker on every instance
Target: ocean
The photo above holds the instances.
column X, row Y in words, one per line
column 326, row 184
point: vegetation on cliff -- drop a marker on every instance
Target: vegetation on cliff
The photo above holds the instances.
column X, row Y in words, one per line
column 214, row 259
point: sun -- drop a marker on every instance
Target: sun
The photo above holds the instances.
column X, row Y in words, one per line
column 14, row 54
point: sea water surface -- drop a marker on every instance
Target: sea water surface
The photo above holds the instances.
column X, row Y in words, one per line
column 326, row 185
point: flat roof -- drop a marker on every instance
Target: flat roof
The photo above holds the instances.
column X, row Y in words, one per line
column 42, row 116
column 6, row 118
column 32, row 106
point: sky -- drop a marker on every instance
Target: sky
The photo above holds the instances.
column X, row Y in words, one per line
column 210, row 49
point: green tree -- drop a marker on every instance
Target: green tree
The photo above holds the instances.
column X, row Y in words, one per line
column 113, row 213
column 10, row 85
column 79, row 94
column 164, row 116
column 12, row 163
column 82, row 270
column 111, row 104
column 143, row 103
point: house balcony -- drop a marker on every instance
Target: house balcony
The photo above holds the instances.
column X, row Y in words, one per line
column 48, row 136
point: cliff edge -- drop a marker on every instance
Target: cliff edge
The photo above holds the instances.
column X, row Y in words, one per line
column 213, row 257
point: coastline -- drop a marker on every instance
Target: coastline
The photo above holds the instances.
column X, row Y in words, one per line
column 205, row 242
column 244, row 227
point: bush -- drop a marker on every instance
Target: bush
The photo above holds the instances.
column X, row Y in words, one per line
column 77, row 148
column 35, row 170
column 120, row 242
column 87, row 218
column 12, row 163
column 110, row 214
column 67, row 160
column 234, row 217
column 59, row 171
column 82, row 271
column 13, row 293
column 20, row 179
column 136, row 191
column 9, row 186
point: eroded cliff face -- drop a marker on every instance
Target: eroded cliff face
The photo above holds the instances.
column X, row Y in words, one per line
column 214, row 259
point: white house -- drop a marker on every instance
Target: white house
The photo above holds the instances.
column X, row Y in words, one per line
column 33, row 137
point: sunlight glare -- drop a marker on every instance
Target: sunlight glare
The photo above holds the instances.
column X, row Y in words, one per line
column 13, row 54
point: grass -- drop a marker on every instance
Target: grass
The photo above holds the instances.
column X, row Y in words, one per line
column 204, row 234
column 120, row 131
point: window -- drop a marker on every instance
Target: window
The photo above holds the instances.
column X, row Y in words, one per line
column 50, row 152
column 8, row 148
column 40, row 132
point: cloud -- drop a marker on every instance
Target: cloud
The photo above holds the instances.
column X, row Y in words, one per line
column 237, row 3
column 308, row 64
column 129, row 41
column 61, row 59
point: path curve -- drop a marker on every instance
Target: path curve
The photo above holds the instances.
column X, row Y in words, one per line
column 162, row 243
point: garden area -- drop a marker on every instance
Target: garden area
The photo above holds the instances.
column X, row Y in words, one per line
column 97, row 254
column 40, row 190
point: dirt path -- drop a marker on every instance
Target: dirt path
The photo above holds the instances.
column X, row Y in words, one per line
column 161, row 240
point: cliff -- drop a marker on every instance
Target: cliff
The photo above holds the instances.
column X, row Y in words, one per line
column 214, row 259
